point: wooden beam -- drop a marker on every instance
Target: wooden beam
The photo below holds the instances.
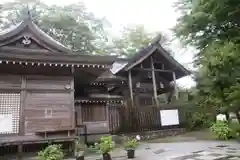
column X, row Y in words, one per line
column 175, row 85
column 159, row 62
column 150, row 69
column 130, row 85
column 154, row 82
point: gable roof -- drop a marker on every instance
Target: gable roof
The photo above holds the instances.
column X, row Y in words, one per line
column 52, row 52
column 147, row 51
column 36, row 31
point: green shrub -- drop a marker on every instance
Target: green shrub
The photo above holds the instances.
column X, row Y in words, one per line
column 235, row 127
column 52, row 152
column 221, row 130
column 196, row 120
column 130, row 144
column 106, row 145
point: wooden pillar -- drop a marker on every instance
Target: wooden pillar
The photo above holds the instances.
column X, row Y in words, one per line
column 107, row 117
column 175, row 86
column 20, row 150
column 154, row 81
column 73, row 100
column 22, row 106
column 130, row 85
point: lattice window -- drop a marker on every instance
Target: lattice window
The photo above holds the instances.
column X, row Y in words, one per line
column 9, row 113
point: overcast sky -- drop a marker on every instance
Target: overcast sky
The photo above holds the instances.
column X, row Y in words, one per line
column 155, row 15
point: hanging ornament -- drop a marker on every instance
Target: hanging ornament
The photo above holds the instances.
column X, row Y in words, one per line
column 26, row 40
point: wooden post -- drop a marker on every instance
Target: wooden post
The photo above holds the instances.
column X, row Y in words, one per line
column 20, row 150
column 175, row 86
column 72, row 97
column 71, row 148
column 154, row 82
column 22, row 106
column 130, row 85
column 107, row 115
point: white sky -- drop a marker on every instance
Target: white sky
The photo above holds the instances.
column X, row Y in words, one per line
column 155, row 15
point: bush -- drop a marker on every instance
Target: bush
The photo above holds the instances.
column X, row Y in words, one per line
column 196, row 120
column 235, row 127
column 106, row 145
column 130, row 144
column 222, row 130
column 52, row 152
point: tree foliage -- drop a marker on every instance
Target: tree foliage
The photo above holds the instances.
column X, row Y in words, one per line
column 76, row 28
column 134, row 37
column 220, row 76
column 212, row 26
column 72, row 25
column 131, row 39
column 204, row 21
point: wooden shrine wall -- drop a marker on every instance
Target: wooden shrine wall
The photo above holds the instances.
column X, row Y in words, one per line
column 95, row 117
column 36, row 104
column 93, row 112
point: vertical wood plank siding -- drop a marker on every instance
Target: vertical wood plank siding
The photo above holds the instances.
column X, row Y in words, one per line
column 93, row 112
column 48, row 107
column 46, row 103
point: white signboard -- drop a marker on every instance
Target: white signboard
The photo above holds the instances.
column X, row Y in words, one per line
column 221, row 117
column 169, row 117
column 6, row 123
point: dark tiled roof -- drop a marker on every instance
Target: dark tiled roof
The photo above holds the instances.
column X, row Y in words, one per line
column 148, row 50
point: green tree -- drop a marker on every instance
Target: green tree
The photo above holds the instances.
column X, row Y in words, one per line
column 212, row 26
column 72, row 25
column 132, row 38
column 219, row 81
column 204, row 21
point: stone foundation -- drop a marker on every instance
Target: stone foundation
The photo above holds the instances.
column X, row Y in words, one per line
column 151, row 134
column 144, row 135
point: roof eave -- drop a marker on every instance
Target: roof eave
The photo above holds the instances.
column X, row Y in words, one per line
column 68, row 58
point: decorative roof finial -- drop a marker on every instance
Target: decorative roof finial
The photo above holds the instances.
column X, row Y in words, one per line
column 29, row 13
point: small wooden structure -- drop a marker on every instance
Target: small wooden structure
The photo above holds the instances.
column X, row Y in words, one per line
column 151, row 72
